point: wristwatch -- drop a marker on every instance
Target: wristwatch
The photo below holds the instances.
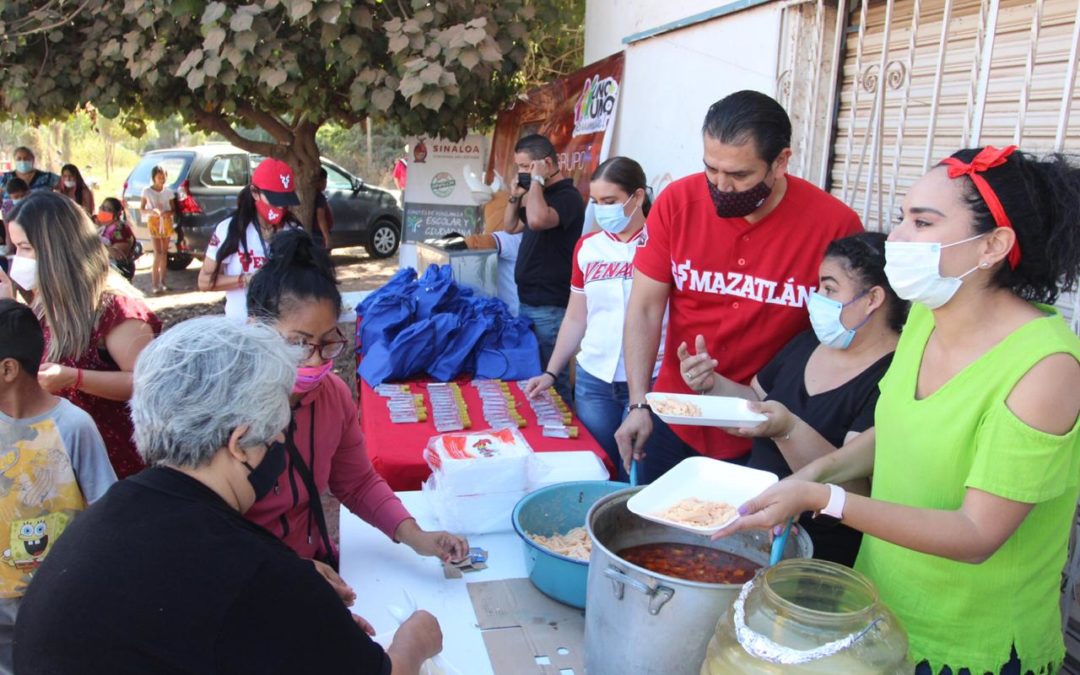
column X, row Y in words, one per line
column 515, row 200
column 834, row 510
column 537, row 178
column 638, row 406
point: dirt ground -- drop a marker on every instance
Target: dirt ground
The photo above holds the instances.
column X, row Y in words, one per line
column 356, row 272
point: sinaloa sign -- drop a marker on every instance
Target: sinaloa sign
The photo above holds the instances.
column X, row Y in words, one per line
column 437, row 198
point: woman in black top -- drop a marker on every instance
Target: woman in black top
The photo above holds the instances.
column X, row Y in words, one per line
column 820, row 390
column 164, row 574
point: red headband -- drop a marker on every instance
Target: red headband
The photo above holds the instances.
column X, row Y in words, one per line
column 988, row 158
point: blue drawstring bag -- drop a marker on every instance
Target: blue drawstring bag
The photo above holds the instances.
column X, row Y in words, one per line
column 437, row 291
column 458, row 355
column 411, row 353
column 510, row 352
column 384, row 313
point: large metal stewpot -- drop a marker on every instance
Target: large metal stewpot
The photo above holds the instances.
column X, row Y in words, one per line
column 644, row 623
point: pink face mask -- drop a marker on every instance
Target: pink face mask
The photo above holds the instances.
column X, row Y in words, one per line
column 309, row 377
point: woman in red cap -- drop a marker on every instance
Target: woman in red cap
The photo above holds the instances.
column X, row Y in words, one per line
column 239, row 245
column 976, row 446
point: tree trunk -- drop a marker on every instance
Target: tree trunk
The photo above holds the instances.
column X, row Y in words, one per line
column 304, row 161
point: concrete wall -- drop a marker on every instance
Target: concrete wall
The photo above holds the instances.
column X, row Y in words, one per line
column 671, row 79
column 607, row 22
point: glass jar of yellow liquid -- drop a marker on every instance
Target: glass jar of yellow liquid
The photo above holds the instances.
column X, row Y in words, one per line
column 808, row 616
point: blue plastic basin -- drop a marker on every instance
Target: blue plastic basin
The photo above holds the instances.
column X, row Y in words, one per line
column 557, row 509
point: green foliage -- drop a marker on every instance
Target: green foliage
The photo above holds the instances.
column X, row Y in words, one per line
column 432, row 67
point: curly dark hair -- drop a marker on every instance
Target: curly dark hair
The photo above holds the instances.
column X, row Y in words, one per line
column 863, row 257
column 1041, row 197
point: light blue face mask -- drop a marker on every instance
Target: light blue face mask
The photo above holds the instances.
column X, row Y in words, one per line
column 825, row 320
column 610, row 217
column 24, row 165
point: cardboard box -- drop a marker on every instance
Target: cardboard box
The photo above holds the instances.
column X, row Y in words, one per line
column 526, row 632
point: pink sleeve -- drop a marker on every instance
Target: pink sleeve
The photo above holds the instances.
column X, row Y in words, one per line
column 355, row 482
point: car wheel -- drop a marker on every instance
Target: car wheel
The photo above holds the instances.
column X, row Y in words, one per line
column 383, row 240
column 179, row 261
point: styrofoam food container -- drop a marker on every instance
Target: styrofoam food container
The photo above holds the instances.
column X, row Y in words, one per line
column 716, row 411
column 707, row 479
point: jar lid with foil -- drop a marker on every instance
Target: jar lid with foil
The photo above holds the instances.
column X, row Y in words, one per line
column 808, row 616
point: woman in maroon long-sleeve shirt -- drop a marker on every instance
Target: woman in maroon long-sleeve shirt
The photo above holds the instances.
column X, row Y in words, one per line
column 296, row 291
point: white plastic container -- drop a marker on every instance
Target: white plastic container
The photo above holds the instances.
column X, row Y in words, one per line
column 706, row 479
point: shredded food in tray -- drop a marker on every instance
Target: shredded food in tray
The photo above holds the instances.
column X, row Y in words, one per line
column 699, row 513
column 574, row 544
column 672, row 406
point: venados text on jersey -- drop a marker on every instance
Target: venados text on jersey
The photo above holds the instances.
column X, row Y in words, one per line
column 740, row 285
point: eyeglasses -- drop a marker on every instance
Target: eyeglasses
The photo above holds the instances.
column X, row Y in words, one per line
column 328, row 350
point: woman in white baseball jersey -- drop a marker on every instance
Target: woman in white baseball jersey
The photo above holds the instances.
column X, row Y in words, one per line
column 600, row 282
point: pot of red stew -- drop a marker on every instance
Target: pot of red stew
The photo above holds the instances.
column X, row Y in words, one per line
column 655, row 592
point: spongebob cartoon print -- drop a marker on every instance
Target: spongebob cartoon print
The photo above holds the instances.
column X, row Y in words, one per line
column 32, row 538
column 38, row 498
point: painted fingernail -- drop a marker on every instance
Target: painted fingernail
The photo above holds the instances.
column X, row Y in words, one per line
column 743, row 510
column 776, row 531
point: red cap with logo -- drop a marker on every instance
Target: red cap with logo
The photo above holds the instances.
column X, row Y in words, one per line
column 274, row 179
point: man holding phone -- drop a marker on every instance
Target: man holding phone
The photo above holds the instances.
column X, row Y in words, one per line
column 545, row 205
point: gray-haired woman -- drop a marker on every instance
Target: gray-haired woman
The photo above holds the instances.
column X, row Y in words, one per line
column 163, row 573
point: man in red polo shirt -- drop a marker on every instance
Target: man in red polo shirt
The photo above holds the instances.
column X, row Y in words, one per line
column 735, row 250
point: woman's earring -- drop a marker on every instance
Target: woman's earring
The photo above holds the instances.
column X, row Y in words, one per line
column 984, row 265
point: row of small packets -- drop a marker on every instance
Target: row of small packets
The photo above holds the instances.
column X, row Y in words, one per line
column 451, row 413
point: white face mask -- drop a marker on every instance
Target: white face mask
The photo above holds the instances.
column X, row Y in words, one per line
column 914, row 271
column 24, row 272
column 826, row 322
column 69, row 184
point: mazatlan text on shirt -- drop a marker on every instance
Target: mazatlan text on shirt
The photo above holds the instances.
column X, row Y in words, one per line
column 741, row 285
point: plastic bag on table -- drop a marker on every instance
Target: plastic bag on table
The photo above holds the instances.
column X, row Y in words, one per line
column 384, row 320
column 471, row 514
column 480, row 462
column 436, row 665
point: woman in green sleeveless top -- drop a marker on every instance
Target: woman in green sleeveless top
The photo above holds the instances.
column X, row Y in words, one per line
column 975, row 453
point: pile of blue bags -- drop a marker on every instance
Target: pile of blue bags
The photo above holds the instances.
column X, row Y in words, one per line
column 431, row 325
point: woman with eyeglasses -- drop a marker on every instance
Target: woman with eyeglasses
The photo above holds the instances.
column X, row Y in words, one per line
column 296, row 292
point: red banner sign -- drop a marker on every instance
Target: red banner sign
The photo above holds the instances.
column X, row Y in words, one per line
column 576, row 113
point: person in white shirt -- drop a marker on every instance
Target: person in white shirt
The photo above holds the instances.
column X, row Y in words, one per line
column 157, row 207
column 239, row 245
column 602, row 273
column 507, row 245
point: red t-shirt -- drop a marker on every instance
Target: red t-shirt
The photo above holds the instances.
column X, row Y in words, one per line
column 742, row 286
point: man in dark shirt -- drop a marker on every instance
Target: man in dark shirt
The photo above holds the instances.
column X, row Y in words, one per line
column 164, row 574
column 545, row 205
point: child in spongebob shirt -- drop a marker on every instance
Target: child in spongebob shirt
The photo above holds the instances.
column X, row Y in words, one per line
column 52, row 463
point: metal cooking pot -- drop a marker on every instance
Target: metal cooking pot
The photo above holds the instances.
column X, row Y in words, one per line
column 641, row 622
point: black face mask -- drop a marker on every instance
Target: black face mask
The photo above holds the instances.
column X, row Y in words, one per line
column 264, row 477
column 524, row 180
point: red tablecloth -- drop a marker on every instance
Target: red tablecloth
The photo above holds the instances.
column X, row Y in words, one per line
column 396, row 450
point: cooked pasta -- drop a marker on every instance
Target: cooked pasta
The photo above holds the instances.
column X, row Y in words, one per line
column 574, row 544
column 673, row 406
column 697, row 512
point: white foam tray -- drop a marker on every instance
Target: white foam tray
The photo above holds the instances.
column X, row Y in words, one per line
column 707, row 479
column 716, row 411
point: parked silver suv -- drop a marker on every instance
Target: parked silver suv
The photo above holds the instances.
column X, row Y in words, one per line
column 207, row 178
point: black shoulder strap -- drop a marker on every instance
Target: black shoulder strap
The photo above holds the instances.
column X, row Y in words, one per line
column 315, row 499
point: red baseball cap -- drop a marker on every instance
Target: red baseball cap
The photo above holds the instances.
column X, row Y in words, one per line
column 274, row 179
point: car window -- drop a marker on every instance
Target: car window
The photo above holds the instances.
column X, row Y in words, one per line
column 336, row 181
column 176, row 168
column 226, row 171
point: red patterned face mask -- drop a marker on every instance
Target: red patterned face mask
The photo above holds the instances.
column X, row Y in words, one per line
column 738, row 204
